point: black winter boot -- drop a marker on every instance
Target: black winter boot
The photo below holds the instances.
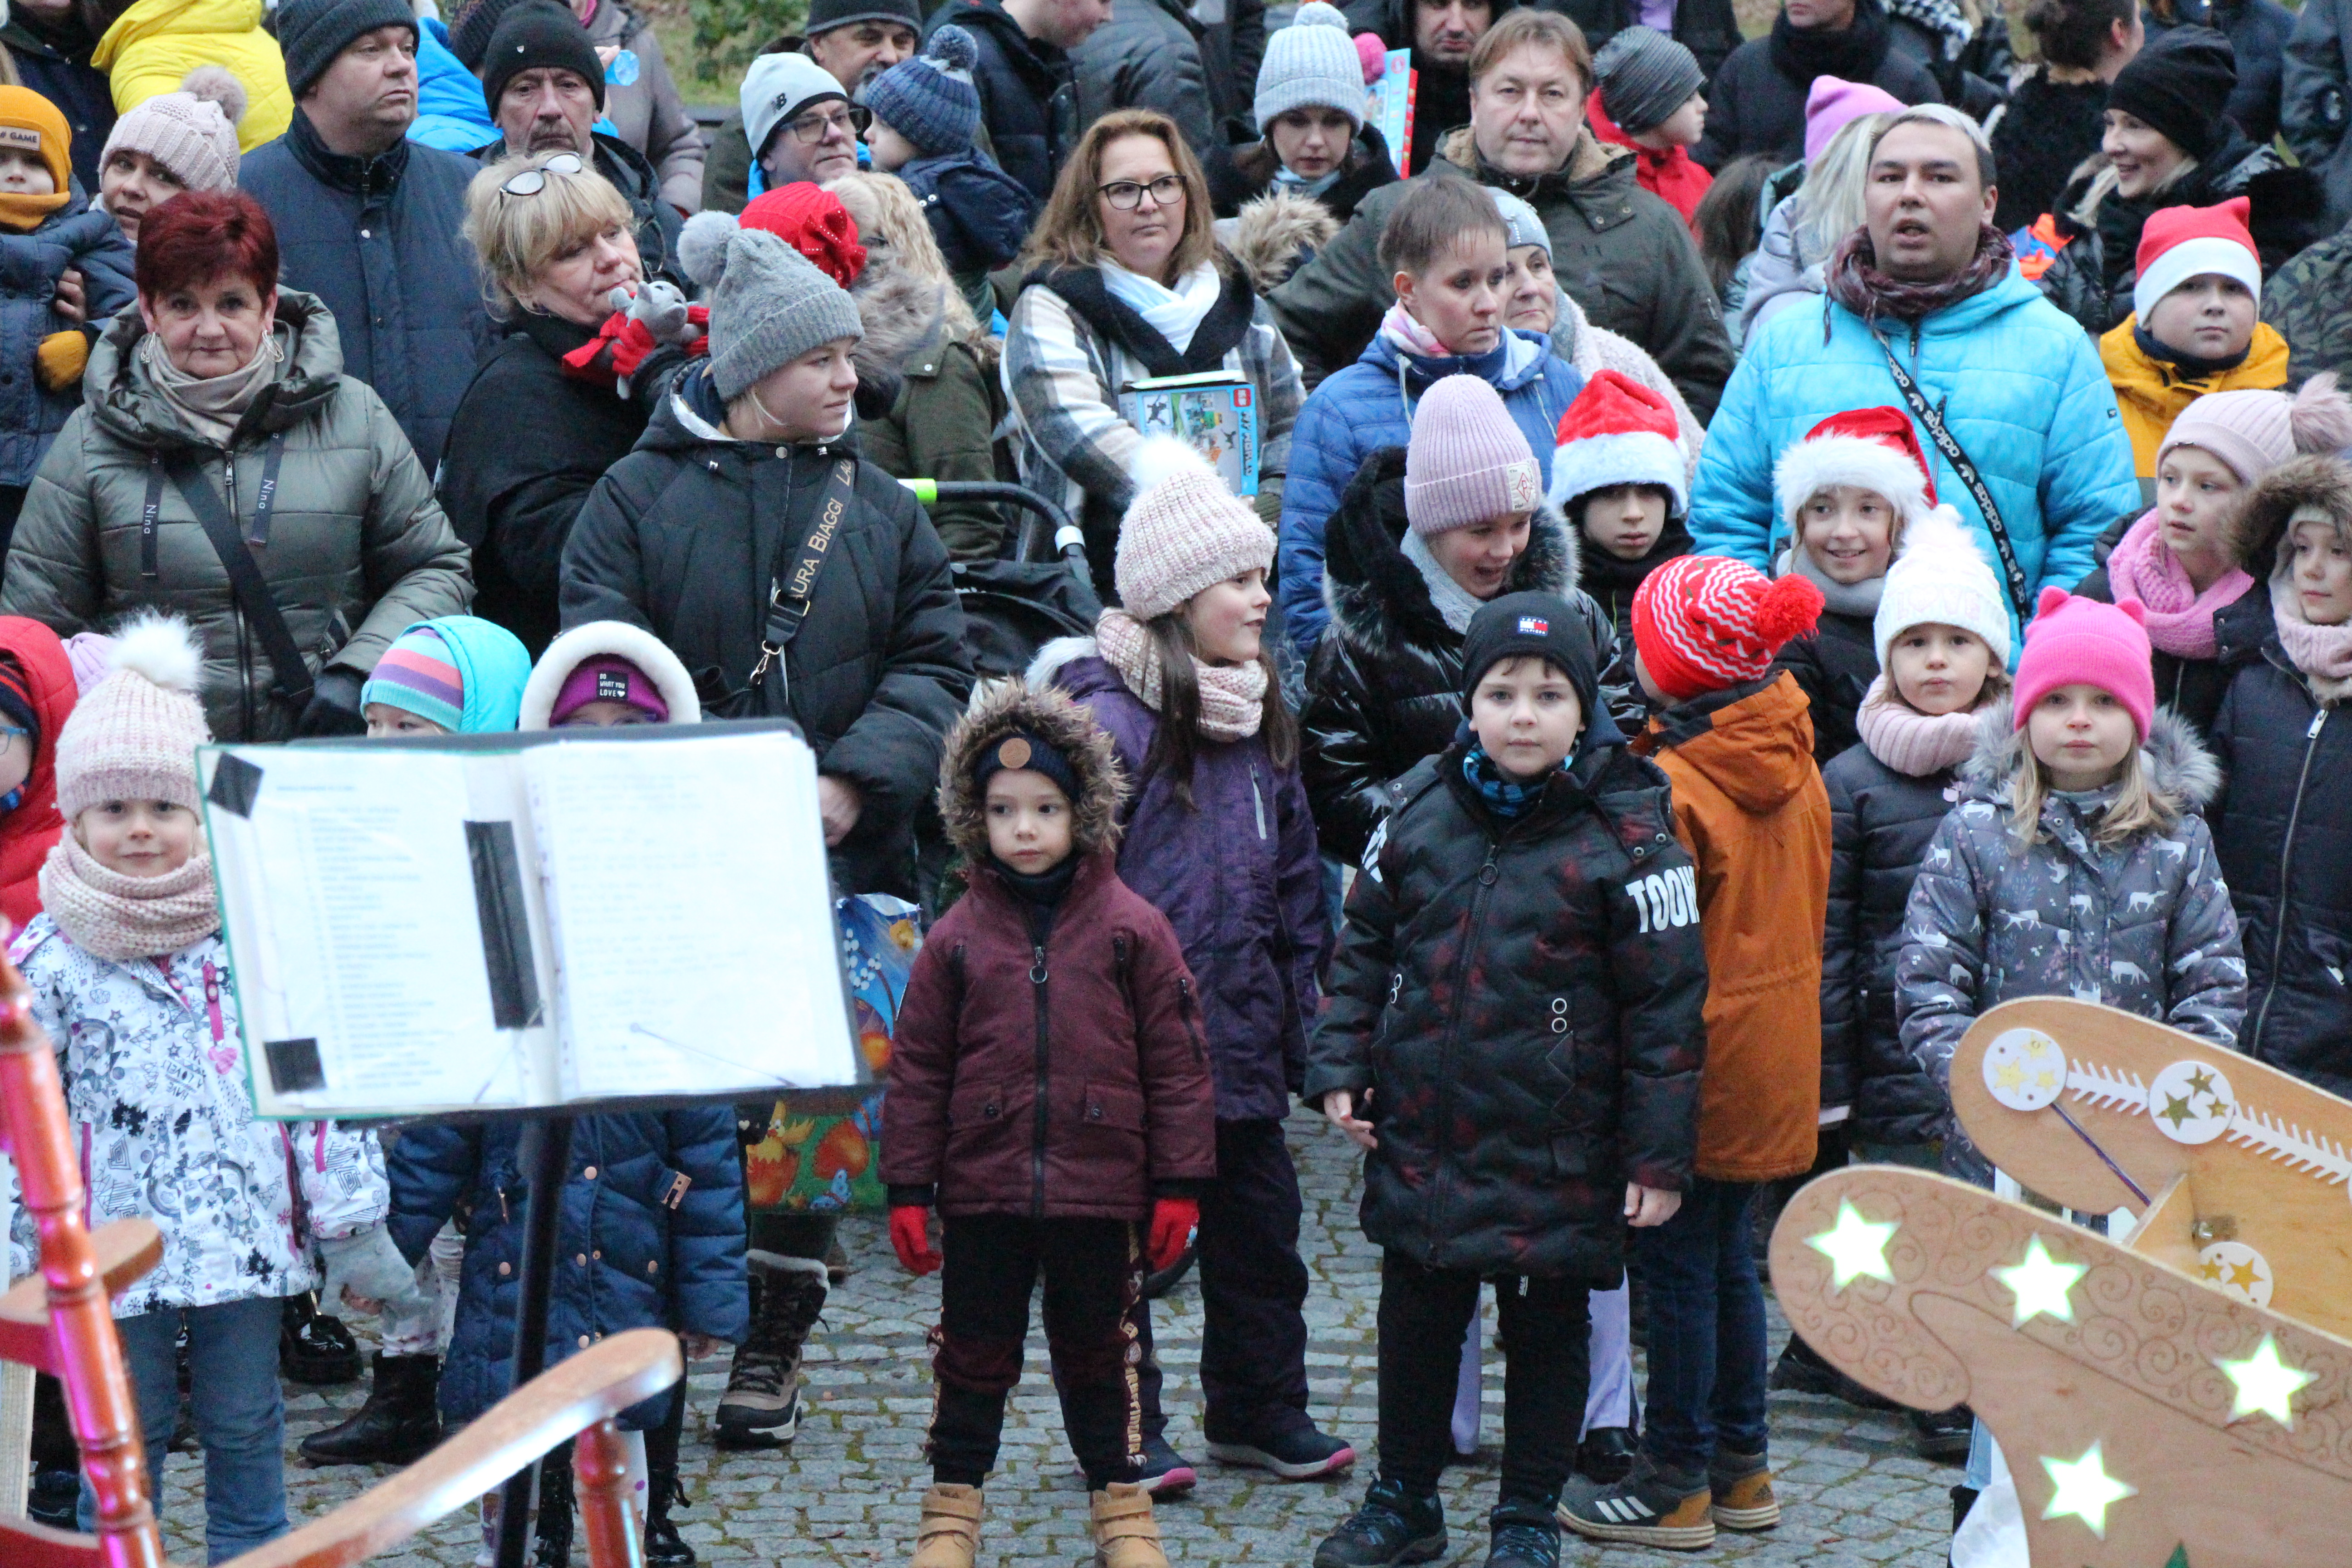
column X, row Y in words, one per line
column 314, row 1348
column 554, row 1524
column 761, row 1406
column 665, row 1548
column 399, row 1424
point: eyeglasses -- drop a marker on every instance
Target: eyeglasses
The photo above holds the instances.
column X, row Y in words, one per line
column 1127, row 194
column 530, row 182
column 810, row 129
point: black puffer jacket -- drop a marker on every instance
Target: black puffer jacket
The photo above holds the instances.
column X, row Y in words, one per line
column 683, row 536
column 1835, row 666
column 1754, row 105
column 1384, row 691
column 2193, row 687
column 1525, row 1000
column 1880, row 823
column 1028, row 96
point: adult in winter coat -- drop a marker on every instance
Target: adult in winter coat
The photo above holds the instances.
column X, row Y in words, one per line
column 1442, row 36
column 2057, row 109
column 2018, row 385
column 50, row 42
column 369, row 222
column 1151, row 54
column 648, row 113
column 1624, row 256
column 2279, row 831
column 449, row 111
column 2309, row 301
column 358, row 547
column 1708, row 28
column 1028, row 91
column 684, row 535
column 2258, row 32
column 1118, row 294
column 1808, row 209
column 2315, row 75
column 153, row 44
column 37, row 692
column 1314, row 143
column 1757, row 101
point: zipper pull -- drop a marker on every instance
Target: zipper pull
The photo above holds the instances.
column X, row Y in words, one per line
column 2317, row 720
column 1037, row 967
column 1487, row 873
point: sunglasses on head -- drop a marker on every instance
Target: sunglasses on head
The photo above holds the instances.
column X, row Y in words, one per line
column 530, row 182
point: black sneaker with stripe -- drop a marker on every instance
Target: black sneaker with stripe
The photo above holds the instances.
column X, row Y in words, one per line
column 1648, row 1508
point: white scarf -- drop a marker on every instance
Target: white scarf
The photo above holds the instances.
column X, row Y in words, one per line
column 1454, row 601
column 213, row 405
column 1174, row 314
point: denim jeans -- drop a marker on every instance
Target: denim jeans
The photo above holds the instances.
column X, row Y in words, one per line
column 1706, row 1330
column 240, row 1414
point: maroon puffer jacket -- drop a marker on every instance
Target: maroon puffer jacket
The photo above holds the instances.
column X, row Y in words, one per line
column 1071, row 1088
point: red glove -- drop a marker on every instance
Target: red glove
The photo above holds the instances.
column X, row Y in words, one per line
column 909, row 1235
column 1172, row 1220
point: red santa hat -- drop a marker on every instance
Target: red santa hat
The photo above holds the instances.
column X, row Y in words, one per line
column 1616, row 432
column 1869, row 448
column 2176, row 243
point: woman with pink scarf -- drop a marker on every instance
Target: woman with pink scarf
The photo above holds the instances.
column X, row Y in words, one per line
column 2209, row 614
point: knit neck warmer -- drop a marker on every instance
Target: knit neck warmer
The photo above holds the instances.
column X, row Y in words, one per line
column 1300, row 185
column 2185, row 367
column 24, row 212
column 1911, row 741
column 2324, row 654
column 1174, row 314
column 1837, row 598
column 2179, row 618
column 1854, row 52
column 1452, row 600
column 120, row 917
column 1044, row 889
column 1504, row 797
column 1853, row 280
column 211, row 405
column 1233, row 696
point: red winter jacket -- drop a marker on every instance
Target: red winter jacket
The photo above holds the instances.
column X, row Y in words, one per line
column 1073, row 1084
column 1673, row 176
column 28, row 831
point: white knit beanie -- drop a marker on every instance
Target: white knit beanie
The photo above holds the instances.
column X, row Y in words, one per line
column 134, row 735
column 1310, row 64
column 191, row 133
column 1184, row 531
column 1941, row 578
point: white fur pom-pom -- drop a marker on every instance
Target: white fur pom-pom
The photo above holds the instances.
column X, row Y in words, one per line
column 164, row 650
column 702, row 246
column 1163, row 458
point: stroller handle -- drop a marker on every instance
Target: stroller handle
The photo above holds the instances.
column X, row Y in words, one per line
column 1040, row 516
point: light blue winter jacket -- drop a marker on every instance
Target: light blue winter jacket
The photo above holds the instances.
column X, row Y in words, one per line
column 2023, row 391
column 450, row 113
column 1368, row 405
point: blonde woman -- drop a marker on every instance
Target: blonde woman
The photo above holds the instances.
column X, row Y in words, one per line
column 924, row 352
column 1126, row 281
column 1805, row 225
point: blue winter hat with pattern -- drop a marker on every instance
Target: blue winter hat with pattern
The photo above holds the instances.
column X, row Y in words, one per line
column 930, row 100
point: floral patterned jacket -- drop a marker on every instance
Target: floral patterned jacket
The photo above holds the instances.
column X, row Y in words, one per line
column 162, row 1113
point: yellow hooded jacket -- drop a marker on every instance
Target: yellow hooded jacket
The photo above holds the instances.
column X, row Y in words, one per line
column 2152, row 394
column 156, row 43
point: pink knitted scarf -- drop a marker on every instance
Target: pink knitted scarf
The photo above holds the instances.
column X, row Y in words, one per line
column 120, row 917
column 1233, row 696
column 1911, row 741
column 1401, row 328
column 2179, row 618
column 2324, row 654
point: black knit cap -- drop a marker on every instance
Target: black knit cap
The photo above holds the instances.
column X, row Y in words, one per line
column 1021, row 749
column 2179, row 86
column 1544, row 625
column 311, row 33
column 825, row 15
column 542, row 34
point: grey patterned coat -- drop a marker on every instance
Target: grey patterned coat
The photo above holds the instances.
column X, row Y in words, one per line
column 2144, row 926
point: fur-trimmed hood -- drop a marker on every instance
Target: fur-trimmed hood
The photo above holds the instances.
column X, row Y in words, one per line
column 2321, row 482
column 1272, row 235
column 2178, row 766
column 1062, row 724
column 582, row 643
column 1378, row 597
column 906, row 324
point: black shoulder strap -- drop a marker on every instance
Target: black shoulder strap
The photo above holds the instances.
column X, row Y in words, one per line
column 798, row 560
column 244, row 580
column 2019, row 590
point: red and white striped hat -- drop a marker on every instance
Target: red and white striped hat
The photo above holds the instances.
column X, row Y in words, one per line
column 1702, row 623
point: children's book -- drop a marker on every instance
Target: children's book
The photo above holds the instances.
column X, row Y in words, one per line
column 1216, row 412
column 1388, row 105
column 503, row 922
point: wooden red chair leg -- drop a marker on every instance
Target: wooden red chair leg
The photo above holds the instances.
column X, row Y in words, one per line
column 608, row 1514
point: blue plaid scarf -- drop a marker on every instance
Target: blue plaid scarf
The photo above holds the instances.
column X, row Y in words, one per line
column 1504, row 798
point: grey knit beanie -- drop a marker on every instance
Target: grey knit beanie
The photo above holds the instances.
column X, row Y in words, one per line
column 311, row 33
column 1645, row 77
column 1310, row 64
column 768, row 306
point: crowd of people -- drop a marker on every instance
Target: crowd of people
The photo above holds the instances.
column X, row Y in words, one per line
column 1724, row 521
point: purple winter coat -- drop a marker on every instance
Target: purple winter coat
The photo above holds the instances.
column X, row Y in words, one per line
column 1239, row 879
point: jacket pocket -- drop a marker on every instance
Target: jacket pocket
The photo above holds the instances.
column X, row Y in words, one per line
column 975, row 1107
column 1108, row 1146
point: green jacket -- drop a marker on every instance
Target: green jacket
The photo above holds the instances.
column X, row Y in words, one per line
column 943, row 416
column 358, row 548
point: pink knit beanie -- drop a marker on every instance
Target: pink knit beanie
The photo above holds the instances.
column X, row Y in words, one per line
column 1833, row 103
column 2254, row 431
column 2077, row 641
column 1468, row 463
column 1183, row 531
column 133, row 736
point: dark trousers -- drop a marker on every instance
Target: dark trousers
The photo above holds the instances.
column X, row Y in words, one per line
column 1706, row 1330
column 1252, row 1294
column 1546, row 1324
column 1094, row 1273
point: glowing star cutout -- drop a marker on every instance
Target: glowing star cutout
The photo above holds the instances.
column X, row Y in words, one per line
column 1855, row 1246
column 2084, row 1489
column 2265, row 1384
column 2040, row 1283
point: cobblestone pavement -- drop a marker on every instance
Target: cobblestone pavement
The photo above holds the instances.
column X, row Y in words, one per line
column 845, row 1493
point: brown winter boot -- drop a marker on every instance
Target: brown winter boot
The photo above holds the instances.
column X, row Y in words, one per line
column 1125, row 1534
column 948, row 1535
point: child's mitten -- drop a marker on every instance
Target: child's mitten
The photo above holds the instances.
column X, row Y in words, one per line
column 62, row 357
column 910, row 1237
column 369, row 1265
column 1173, row 1223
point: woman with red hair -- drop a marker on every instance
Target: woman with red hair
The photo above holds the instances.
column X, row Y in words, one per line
column 222, row 399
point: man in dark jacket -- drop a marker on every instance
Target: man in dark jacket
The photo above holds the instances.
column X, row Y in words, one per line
column 2258, row 31
column 544, row 86
column 1028, row 92
column 2315, row 75
column 1708, row 28
column 1153, row 54
column 368, row 221
column 1756, row 104
column 1623, row 255
column 50, row 40
column 854, row 40
column 1441, row 33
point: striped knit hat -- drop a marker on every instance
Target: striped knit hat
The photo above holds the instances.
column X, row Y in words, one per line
column 1702, row 623
column 463, row 673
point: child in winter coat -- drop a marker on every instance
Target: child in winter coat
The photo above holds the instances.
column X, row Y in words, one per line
column 926, row 112
column 1649, row 100
column 2281, row 830
column 130, row 979
column 1515, row 1036
column 1061, row 1176
column 2208, row 605
column 1847, row 492
column 1218, row 835
column 1750, row 809
column 1448, row 250
column 46, row 230
column 453, row 675
column 38, row 690
column 654, row 1198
